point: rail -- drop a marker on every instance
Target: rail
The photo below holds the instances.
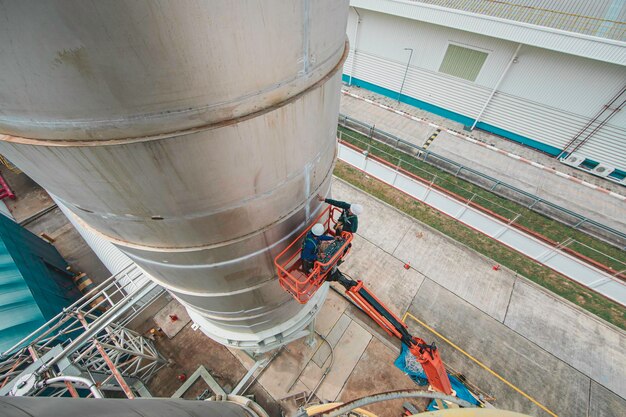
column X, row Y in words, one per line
column 89, row 336
column 498, row 187
column 605, row 281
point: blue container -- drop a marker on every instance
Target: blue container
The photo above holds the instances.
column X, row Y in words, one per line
column 34, row 283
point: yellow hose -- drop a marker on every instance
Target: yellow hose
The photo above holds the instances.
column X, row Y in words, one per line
column 320, row 408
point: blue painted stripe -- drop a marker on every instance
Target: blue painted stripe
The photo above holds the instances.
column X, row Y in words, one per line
column 550, row 150
column 457, row 117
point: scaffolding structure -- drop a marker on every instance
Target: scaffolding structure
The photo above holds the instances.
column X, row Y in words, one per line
column 88, row 343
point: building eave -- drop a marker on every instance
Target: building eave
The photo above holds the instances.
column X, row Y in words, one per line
column 601, row 49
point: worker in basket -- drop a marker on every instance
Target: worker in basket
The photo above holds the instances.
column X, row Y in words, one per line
column 348, row 220
column 310, row 246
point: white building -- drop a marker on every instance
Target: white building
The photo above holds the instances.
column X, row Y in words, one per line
column 552, row 79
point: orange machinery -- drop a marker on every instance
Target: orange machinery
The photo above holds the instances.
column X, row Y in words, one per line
column 302, row 287
column 289, row 265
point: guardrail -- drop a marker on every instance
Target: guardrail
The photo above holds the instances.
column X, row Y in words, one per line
column 604, row 280
column 499, row 188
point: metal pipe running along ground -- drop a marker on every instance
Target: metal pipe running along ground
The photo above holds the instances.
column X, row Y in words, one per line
column 193, row 137
column 229, row 406
column 386, row 396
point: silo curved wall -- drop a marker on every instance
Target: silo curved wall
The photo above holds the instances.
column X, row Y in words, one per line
column 193, row 138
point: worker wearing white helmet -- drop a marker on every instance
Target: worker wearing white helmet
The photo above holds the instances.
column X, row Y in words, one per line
column 310, row 246
column 348, row 221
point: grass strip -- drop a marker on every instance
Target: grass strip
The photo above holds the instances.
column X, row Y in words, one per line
column 589, row 300
column 584, row 244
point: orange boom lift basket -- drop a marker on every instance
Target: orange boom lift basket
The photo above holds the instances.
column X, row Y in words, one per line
column 289, row 265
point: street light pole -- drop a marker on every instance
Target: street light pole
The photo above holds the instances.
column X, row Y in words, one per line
column 406, row 71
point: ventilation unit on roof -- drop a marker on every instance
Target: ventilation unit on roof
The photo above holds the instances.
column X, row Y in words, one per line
column 574, row 160
column 602, row 170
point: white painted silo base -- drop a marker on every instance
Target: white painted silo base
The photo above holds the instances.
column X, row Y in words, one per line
column 288, row 331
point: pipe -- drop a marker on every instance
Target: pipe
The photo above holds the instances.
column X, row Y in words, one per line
column 386, row 396
column 248, row 379
column 75, row 379
column 318, row 408
column 406, row 71
column 250, row 406
column 356, row 34
column 589, row 123
column 607, row 118
column 231, row 406
column 495, row 88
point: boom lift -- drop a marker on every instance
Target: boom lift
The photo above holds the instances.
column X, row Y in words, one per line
column 302, row 287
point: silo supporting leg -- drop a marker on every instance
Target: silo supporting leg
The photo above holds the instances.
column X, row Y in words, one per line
column 310, row 339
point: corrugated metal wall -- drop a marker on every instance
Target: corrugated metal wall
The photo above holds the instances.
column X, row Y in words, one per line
column 33, row 284
column 19, row 313
column 546, row 96
column 595, row 8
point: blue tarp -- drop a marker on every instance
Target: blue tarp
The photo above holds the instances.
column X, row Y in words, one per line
column 407, row 363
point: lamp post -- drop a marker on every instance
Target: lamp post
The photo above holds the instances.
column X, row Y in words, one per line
column 356, row 36
column 406, row 71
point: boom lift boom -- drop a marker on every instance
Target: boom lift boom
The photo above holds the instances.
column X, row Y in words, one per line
column 427, row 355
column 302, row 287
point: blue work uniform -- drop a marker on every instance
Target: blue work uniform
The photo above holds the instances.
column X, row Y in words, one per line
column 309, row 249
column 348, row 219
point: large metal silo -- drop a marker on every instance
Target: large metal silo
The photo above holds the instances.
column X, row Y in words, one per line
column 193, row 135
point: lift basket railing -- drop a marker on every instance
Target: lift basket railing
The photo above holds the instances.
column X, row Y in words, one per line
column 289, row 265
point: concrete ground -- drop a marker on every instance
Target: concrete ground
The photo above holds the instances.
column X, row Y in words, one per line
column 546, row 352
column 549, row 354
column 563, row 357
column 594, row 204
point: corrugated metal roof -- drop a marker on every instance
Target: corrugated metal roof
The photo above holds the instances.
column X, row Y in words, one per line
column 601, row 49
column 603, row 18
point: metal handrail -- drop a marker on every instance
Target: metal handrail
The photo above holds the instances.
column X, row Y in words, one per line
column 370, row 130
column 303, row 289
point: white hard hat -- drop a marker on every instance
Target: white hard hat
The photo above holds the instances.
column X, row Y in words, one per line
column 356, row 209
column 318, row 229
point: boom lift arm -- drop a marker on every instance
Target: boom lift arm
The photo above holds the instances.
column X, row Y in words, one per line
column 303, row 286
column 427, row 355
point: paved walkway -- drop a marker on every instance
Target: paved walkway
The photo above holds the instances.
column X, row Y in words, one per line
column 563, row 358
column 601, row 206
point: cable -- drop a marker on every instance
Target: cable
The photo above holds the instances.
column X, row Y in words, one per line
column 326, row 371
column 78, row 380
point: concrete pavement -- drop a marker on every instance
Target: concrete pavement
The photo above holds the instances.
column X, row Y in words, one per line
column 594, row 204
column 563, row 358
column 556, row 352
